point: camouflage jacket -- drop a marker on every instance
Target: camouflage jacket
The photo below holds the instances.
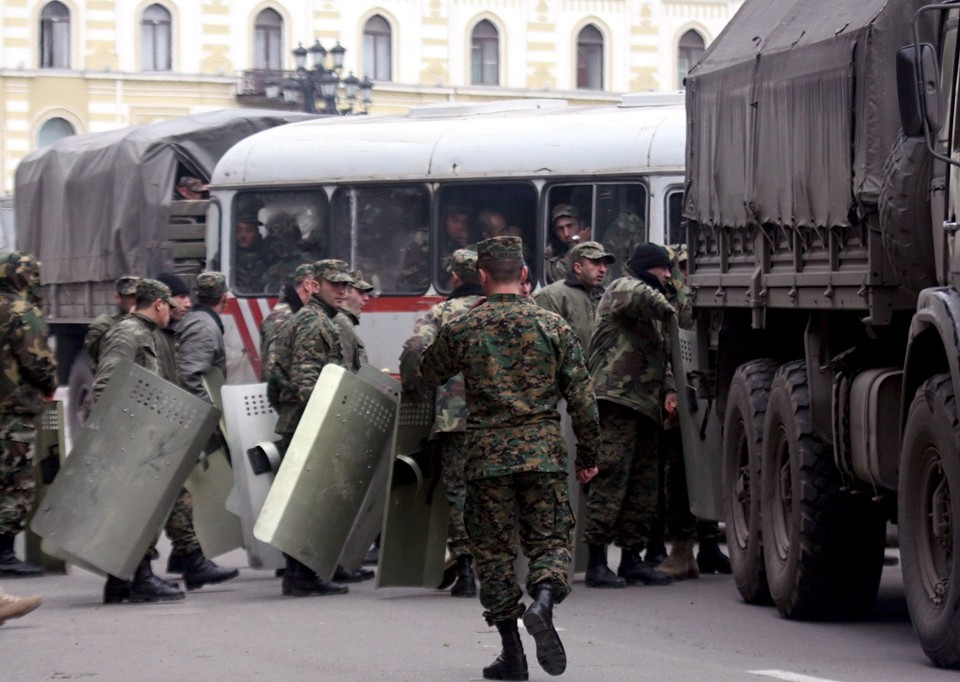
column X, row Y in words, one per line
column 517, row 360
column 310, row 340
column 249, row 268
column 451, row 403
column 622, row 236
column 570, row 300
column 132, row 338
column 201, row 348
column 269, row 329
column 95, row 333
column 354, row 352
column 555, row 263
column 28, row 371
column 628, row 358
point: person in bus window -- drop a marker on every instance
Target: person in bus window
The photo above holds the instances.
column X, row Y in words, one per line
column 284, row 250
column 415, row 257
column 250, row 264
column 566, row 231
column 626, row 231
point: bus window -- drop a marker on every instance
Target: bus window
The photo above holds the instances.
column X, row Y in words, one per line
column 470, row 213
column 274, row 232
column 372, row 224
column 614, row 214
column 675, row 232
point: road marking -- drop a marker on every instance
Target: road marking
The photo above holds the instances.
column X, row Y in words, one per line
column 789, row 676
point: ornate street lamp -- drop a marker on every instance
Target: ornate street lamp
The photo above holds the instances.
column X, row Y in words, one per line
column 320, row 82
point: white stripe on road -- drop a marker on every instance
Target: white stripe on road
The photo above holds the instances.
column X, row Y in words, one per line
column 789, row 676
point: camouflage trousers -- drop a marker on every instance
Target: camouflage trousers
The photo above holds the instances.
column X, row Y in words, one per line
column 540, row 502
column 17, row 486
column 622, row 497
column 179, row 528
column 451, row 457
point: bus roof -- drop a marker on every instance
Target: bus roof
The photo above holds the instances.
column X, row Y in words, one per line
column 546, row 139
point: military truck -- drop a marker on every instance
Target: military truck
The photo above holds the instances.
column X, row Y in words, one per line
column 821, row 211
column 97, row 206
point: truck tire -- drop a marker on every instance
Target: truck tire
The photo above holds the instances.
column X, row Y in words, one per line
column 822, row 547
column 904, row 208
column 742, row 439
column 929, row 500
column 79, row 392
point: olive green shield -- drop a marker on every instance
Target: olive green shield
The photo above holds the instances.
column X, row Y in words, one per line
column 49, row 451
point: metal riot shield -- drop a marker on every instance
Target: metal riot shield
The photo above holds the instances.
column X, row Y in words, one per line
column 414, row 538
column 48, row 453
column 127, row 467
column 700, row 427
column 209, row 485
column 367, row 525
column 250, row 420
column 327, row 470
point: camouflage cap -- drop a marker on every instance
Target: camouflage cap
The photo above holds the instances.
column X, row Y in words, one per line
column 211, row 284
column 499, row 248
column 464, row 263
column 333, row 270
column 591, row 250
column 127, row 285
column 304, row 271
column 564, row 210
column 154, row 289
column 359, row 283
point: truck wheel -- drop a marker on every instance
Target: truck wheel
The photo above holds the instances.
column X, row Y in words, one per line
column 80, row 392
column 822, row 547
column 929, row 499
column 904, row 209
column 742, row 438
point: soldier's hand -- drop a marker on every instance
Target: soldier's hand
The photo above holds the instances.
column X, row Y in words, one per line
column 586, row 475
column 670, row 403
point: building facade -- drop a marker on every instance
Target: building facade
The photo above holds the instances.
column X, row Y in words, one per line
column 72, row 66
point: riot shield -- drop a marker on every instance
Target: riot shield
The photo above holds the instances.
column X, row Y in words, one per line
column 127, row 467
column 700, row 427
column 49, row 451
column 327, row 470
column 250, row 420
column 414, row 537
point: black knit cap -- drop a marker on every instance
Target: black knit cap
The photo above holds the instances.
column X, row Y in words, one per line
column 649, row 255
column 177, row 286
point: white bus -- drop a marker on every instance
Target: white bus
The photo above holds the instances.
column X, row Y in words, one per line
column 385, row 193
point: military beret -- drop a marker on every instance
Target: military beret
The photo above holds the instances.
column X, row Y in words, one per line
column 127, row 285
column 211, row 284
column 464, row 263
column 500, row 248
column 154, row 289
column 591, row 250
column 359, row 283
column 304, row 271
column 333, row 270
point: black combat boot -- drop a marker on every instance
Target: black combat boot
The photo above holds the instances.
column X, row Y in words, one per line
column 466, row 585
column 511, row 664
column 146, row 587
column 539, row 622
column 598, row 573
column 11, row 566
column 116, row 590
column 300, row 581
column 634, row 570
column 344, row 575
column 199, row 571
column 710, row 559
column 656, row 553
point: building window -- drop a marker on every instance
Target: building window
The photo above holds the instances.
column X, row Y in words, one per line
column 485, row 55
column 377, row 49
column 590, row 59
column 155, row 39
column 55, row 36
column 53, row 130
column 689, row 52
column 267, row 44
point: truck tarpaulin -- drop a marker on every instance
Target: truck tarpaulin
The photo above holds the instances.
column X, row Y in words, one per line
column 93, row 207
column 798, row 98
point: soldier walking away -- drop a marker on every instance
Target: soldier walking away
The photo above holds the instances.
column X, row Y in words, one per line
column 305, row 343
column 15, row 607
column 628, row 363
column 125, row 298
column 518, row 361
column 450, row 421
column 28, row 376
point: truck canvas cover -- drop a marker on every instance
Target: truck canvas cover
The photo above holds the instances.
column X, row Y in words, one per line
column 792, row 112
column 93, row 207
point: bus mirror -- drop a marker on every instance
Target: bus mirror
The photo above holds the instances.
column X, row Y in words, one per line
column 917, row 89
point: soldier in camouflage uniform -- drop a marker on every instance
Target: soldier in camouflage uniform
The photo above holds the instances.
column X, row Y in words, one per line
column 629, row 365
column 566, row 231
column 125, row 298
column 284, row 250
column 576, row 296
column 249, row 262
column 450, row 422
column 304, row 344
column 518, row 361
column 28, row 375
column 415, row 257
column 348, row 317
column 292, row 298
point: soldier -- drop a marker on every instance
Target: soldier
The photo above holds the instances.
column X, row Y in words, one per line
column 415, row 256
column 283, row 248
column 348, row 317
column 250, row 264
column 566, row 232
column 304, row 344
column 15, row 607
column 135, row 338
column 28, row 376
column 518, row 361
column 450, row 422
column 125, row 298
column 576, row 296
column 629, row 366
column 292, row 298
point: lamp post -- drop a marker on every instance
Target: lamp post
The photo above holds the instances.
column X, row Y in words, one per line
column 308, row 83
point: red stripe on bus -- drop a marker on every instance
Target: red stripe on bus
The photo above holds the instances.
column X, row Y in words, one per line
column 233, row 308
column 401, row 304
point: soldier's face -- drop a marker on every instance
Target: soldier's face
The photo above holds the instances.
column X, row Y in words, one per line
column 565, row 228
column 183, row 305
column 457, row 226
column 246, row 234
column 333, row 293
column 591, row 272
column 663, row 274
column 355, row 300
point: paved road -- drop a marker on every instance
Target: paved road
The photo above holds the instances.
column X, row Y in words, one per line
column 244, row 630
